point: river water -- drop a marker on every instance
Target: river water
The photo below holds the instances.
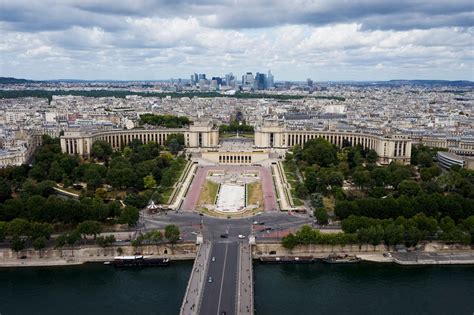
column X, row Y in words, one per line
column 279, row 289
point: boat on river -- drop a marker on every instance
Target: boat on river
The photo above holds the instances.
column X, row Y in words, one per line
column 341, row 259
column 287, row 260
column 138, row 261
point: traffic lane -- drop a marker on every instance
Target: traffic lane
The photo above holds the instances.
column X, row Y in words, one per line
column 228, row 296
column 212, row 289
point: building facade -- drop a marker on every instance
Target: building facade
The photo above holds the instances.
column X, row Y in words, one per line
column 393, row 147
column 202, row 134
column 268, row 136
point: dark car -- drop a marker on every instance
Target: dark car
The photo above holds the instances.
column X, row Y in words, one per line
column 224, row 235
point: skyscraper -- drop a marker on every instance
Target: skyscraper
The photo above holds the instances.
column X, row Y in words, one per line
column 270, row 84
column 230, row 79
column 248, row 80
column 260, row 81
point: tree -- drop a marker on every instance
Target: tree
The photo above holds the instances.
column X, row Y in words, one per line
column 101, row 150
column 92, row 178
column 39, row 243
column 319, row 151
column 375, row 235
column 361, row 179
column 424, row 159
column 172, row 233
column 89, row 227
column 321, row 216
column 316, row 200
column 40, row 230
column 3, row 230
column 289, row 241
column 300, row 190
column 149, row 182
column 17, row 244
column 105, row 241
column 60, row 241
column 129, row 215
column 120, row 177
column 371, row 156
column 409, row 187
column 56, row 173
column 399, row 174
column 311, row 180
column 72, row 238
column 381, row 176
column 37, row 172
column 153, row 237
column 175, row 142
column 5, row 190
column 18, row 227
column 393, row 234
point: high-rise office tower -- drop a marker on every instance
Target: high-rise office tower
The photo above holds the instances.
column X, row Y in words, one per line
column 260, row 81
column 270, row 84
column 309, row 82
column 229, row 78
column 248, row 80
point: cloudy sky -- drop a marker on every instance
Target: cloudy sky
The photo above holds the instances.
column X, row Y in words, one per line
column 296, row 39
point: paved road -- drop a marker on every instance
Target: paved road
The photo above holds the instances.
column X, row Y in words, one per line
column 190, row 223
column 220, row 294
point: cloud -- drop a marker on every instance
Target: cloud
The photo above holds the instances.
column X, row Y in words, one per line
column 326, row 40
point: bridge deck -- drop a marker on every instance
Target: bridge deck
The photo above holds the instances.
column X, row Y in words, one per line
column 221, row 281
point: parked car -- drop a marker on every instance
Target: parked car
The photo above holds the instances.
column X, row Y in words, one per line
column 241, row 236
column 224, row 235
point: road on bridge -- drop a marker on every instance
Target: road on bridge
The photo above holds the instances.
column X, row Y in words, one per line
column 220, row 295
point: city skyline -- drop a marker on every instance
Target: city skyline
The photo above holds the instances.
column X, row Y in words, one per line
column 324, row 41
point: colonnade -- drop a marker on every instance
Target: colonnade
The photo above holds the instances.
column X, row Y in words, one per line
column 235, row 158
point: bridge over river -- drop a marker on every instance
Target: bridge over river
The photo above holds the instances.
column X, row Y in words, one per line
column 221, row 281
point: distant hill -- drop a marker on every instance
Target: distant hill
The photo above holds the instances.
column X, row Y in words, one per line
column 432, row 82
column 7, row 80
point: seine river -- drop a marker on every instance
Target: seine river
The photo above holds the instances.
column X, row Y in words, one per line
column 280, row 289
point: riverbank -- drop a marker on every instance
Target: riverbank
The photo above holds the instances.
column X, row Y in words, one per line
column 91, row 254
column 430, row 254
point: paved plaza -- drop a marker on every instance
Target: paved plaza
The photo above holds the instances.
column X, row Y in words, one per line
column 269, row 198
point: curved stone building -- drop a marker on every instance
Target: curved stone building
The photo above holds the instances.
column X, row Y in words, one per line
column 268, row 136
column 393, row 147
column 201, row 134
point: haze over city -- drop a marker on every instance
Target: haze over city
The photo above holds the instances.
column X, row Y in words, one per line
column 150, row 40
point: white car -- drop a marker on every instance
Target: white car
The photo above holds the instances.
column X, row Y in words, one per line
column 210, row 279
column 241, row 236
column 213, row 259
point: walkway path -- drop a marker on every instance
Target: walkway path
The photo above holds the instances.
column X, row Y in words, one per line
column 195, row 288
column 245, row 286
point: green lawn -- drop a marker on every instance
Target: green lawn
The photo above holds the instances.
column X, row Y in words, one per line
column 292, row 179
column 208, row 193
